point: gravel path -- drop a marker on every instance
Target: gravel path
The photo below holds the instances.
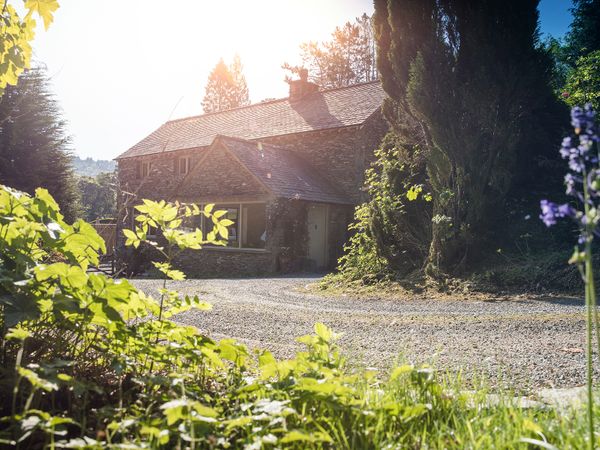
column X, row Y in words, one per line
column 524, row 343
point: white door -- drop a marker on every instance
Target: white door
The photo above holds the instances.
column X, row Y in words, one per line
column 317, row 235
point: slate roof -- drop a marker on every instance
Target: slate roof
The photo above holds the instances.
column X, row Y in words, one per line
column 284, row 173
column 322, row 110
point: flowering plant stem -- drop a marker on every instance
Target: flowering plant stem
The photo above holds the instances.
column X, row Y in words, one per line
column 591, row 309
column 592, row 318
column 585, row 173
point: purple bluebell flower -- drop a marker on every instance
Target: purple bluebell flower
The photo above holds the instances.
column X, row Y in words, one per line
column 567, row 146
column 570, row 181
column 585, row 144
column 581, row 160
column 548, row 215
column 551, row 212
column 577, row 164
column 582, row 119
column 565, row 210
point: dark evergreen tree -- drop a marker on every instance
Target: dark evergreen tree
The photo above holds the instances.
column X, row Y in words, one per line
column 470, row 88
column 34, row 146
column 226, row 87
column 582, row 39
column 584, row 33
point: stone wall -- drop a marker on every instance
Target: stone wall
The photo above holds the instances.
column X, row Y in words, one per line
column 341, row 155
column 219, row 176
column 163, row 178
column 224, row 262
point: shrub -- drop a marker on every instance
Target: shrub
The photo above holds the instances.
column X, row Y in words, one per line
column 392, row 231
column 91, row 362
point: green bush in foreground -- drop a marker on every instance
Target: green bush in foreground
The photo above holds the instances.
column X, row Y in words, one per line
column 91, row 362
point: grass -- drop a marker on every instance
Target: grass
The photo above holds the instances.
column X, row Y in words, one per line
column 500, row 276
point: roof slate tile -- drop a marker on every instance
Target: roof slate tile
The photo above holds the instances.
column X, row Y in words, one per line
column 283, row 172
column 326, row 109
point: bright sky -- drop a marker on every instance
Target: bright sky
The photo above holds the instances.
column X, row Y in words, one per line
column 120, row 68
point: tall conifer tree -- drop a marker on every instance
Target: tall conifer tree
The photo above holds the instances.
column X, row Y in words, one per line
column 226, row 87
column 584, row 33
column 34, row 146
column 240, row 95
column 469, row 87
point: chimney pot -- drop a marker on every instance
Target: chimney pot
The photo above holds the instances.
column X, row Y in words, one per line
column 300, row 88
column 303, row 75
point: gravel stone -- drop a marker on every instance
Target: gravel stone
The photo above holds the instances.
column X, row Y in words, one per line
column 523, row 343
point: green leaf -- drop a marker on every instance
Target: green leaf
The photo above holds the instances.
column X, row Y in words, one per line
column 44, row 8
column 323, row 331
column 266, row 358
column 36, row 381
column 238, row 422
column 399, row 371
column 18, row 333
column 300, row 436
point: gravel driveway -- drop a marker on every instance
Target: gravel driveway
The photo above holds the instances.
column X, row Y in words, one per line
column 524, row 343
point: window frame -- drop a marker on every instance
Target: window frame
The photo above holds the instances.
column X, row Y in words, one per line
column 239, row 224
column 186, row 162
column 146, row 169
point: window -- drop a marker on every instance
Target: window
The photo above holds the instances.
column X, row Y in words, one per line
column 142, row 169
column 254, row 225
column 249, row 224
column 146, row 169
column 182, row 165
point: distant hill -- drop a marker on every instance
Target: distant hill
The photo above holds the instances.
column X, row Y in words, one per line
column 92, row 167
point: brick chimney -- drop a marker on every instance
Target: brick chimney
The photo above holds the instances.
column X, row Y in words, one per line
column 300, row 88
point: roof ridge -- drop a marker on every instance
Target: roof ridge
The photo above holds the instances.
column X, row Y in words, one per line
column 181, row 119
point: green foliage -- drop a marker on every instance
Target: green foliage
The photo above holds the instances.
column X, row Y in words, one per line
column 575, row 57
column 91, row 362
column 348, row 58
column 584, row 32
column 361, row 260
column 393, row 230
column 98, row 196
column 16, row 34
column 34, row 145
column 226, row 87
column 467, row 85
column 583, row 82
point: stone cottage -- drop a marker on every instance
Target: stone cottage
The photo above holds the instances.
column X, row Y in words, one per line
column 289, row 173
